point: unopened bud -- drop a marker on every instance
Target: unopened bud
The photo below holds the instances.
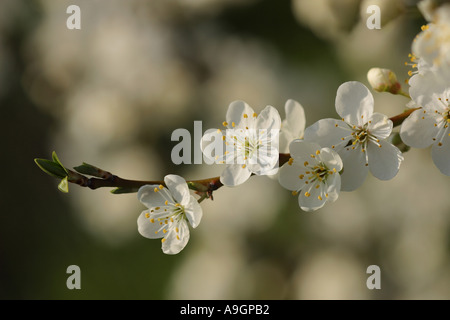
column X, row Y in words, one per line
column 384, row 80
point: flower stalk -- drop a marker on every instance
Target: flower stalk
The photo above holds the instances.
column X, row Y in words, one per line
column 100, row 178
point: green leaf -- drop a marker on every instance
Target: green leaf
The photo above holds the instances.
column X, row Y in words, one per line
column 51, row 168
column 56, row 160
column 397, row 141
column 90, row 170
column 64, row 185
column 121, row 190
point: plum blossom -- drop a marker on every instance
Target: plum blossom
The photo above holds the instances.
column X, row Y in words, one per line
column 429, row 125
column 249, row 145
column 359, row 137
column 431, row 47
column 312, row 173
column 170, row 211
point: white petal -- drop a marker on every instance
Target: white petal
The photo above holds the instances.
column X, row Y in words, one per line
column 295, row 118
column 178, row 188
column 172, row 244
column 269, row 119
column 147, row 228
column 289, row 176
column 241, row 114
column 426, row 89
column 266, row 161
column 285, row 139
column 147, row 196
column 194, row 212
column 312, row 198
column 234, row 175
column 212, row 146
column 329, row 133
column 379, row 125
column 355, row 169
column 384, row 161
column 273, row 173
column 354, row 102
column 441, row 154
column 418, row 130
column 331, row 159
column 301, row 149
column 334, row 187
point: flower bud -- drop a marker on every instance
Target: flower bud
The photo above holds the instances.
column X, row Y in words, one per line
column 383, row 80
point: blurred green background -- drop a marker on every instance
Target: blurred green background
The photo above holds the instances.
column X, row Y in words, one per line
column 112, row 93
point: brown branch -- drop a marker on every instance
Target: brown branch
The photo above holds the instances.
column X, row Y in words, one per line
column 398, row 119
column 104, row 179
column 202, row 187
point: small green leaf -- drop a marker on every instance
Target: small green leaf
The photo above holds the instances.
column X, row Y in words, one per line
column 121, row 190
column 56, row 160
column 90, row 170
column 397, row 141
column 51, row 168
column 64, row 185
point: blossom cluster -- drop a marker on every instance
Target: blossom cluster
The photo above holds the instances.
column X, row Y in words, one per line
column 430, row 89
column 327, row 157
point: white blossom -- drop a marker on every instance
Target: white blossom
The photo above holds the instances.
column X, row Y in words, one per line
column 249, row 145
column 170, row 211
column 293, row 127
column 312, row 172
column 359, row 137
column 429, row 125
column 432, row 44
